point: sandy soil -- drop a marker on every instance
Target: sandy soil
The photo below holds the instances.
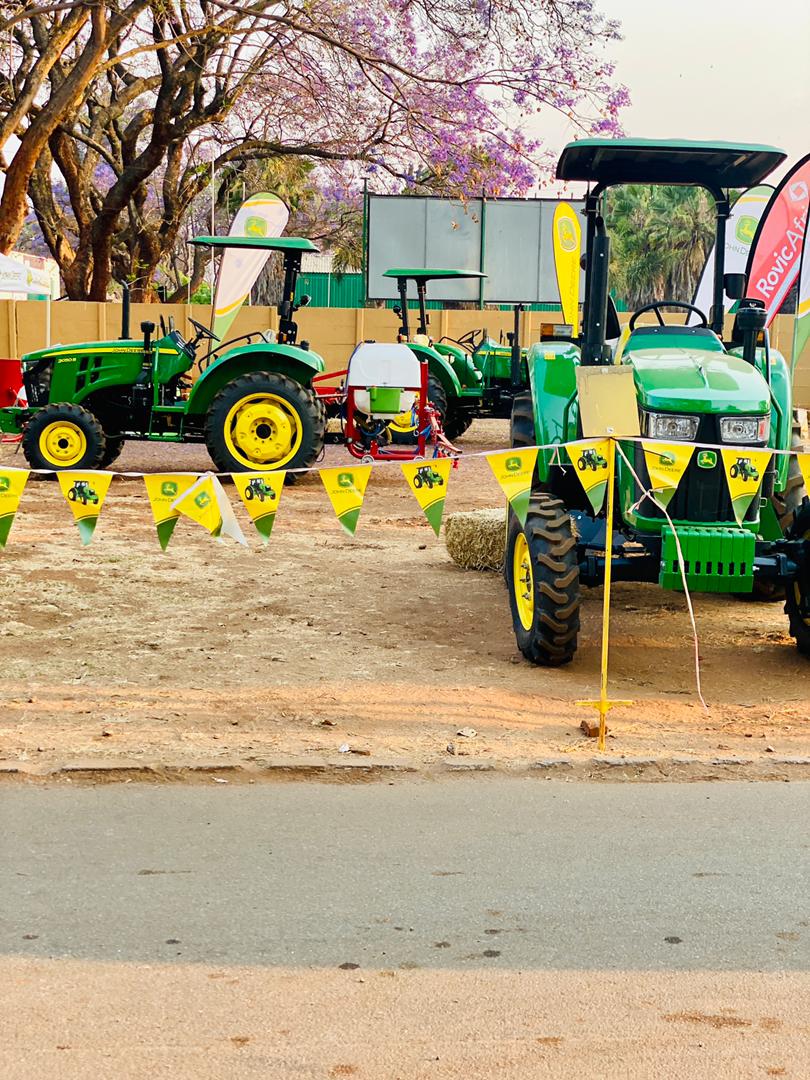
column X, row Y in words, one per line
column 210, row 652
column 83, row 1020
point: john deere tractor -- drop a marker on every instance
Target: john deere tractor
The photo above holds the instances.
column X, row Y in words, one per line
column 691, row 386
column 250, row 400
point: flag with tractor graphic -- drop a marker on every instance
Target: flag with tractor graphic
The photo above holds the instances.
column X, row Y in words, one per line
column 12, row 483
column 85, row 493
column 666, row 464
column 590, row 460
column 428, row 481
column 514, row 471
column 206, row 503
column 744, row 471
column 163, row 489
column 346, row 488
column 261, row 494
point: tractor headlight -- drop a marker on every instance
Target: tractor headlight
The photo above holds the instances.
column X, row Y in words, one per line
column 671, row 426
column 745, row 429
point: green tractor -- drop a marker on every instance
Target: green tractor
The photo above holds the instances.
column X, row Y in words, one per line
column 258, row 489
column 590, row 459
column 744, row 468
column 469, row 377
column 690, row 387
column 80, row 491
column 250, row 400
column 426, row 476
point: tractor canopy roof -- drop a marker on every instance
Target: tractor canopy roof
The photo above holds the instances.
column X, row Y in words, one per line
column 714, row 165
column 427, row 274
column 261, row 243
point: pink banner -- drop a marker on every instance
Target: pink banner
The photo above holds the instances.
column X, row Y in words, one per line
column 773, row 264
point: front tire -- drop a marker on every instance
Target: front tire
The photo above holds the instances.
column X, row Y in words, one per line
column 542, row 575
column 264, row 421
column 797, row 593
column 63, row 436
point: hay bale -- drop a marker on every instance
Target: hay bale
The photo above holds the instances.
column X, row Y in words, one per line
column 476, row 540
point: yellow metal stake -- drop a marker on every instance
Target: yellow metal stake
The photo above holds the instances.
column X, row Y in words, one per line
column 604, row 703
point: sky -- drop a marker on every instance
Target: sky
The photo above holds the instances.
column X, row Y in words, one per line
column 713, row 69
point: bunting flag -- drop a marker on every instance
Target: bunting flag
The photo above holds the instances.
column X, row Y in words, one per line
column 428, row 481
column 206, row 503
column 346, row 487
column 261, row 494
column 85, row 493
column 163, row 489
column 514, row 471
column 804, row 468
column 744, row 471
column 666, row 464
column 591, row 463
column 12, row 483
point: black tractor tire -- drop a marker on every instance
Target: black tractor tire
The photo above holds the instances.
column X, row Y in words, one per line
column 456, row 422
column 521, row 426
column 438, row 399
column 112, row 451
column 72, row 414
column 72, row 494
column 551, row 638
column 797, row 594
column 786, row 503
column 248, row 494
column 303, row 402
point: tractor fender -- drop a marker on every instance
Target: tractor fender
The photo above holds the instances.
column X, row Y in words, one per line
column 462, row 364
column 439, row 366
column 299, row 364
column 553, row 382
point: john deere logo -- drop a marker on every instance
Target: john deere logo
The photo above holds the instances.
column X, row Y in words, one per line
column 255, row 226
column 512, row 464
column 566, row 234
column 168, row 488
column 746, row 227
column 345, row 479
column 707, row 459
column 5, row 484
column 202, row 500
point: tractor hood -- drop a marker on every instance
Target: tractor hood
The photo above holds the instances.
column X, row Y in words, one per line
column 685, row 380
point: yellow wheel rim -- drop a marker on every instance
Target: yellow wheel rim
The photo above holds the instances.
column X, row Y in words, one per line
column 263, row 431
column 523, row 581
column 403, row 424
column 63, row 444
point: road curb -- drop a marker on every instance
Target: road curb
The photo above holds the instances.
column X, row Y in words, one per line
column 566, row 767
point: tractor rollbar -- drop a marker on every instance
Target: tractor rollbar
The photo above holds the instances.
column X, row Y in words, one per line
column 597, row 266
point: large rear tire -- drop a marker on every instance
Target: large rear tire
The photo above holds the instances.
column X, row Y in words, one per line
column 786, row 503
column 542, row 575
column 63, row 436
column 264, row 421
column 797, row 594
column 404, row 434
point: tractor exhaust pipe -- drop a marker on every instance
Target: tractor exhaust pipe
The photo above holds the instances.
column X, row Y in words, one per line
column 125, row 309
column 751, row 319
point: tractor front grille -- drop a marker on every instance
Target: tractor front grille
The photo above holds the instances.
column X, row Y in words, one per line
column 37, row 381
column 702, row 495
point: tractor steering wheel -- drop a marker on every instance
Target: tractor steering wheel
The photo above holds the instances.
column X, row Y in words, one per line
column 656, row 307
column 203, row 331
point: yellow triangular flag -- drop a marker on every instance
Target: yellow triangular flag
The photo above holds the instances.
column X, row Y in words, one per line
column 514, row 471
column 666, row 464
column 428, row 481
column 804, row 467
column 12, row 483
column 346, row 487
column 163, row 489
column 590, row 461
column 744, row 471
column 206, row 503
column 261, row 494
column 85, row 493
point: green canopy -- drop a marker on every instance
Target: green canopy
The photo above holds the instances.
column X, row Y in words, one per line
column 259, row 243
column 714, row 165
column 426, row 274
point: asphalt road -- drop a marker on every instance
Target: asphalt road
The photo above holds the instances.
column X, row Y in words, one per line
column 478, row 872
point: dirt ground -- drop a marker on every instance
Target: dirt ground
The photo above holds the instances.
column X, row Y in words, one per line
column 213, row 653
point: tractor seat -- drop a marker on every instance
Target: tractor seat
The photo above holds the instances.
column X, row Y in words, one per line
column 385, row 378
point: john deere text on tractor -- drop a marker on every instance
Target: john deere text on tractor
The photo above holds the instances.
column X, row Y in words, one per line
column 252, row 403
column 690, row 387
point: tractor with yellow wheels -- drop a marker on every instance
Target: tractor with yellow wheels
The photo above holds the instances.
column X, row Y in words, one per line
column 250, row 400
